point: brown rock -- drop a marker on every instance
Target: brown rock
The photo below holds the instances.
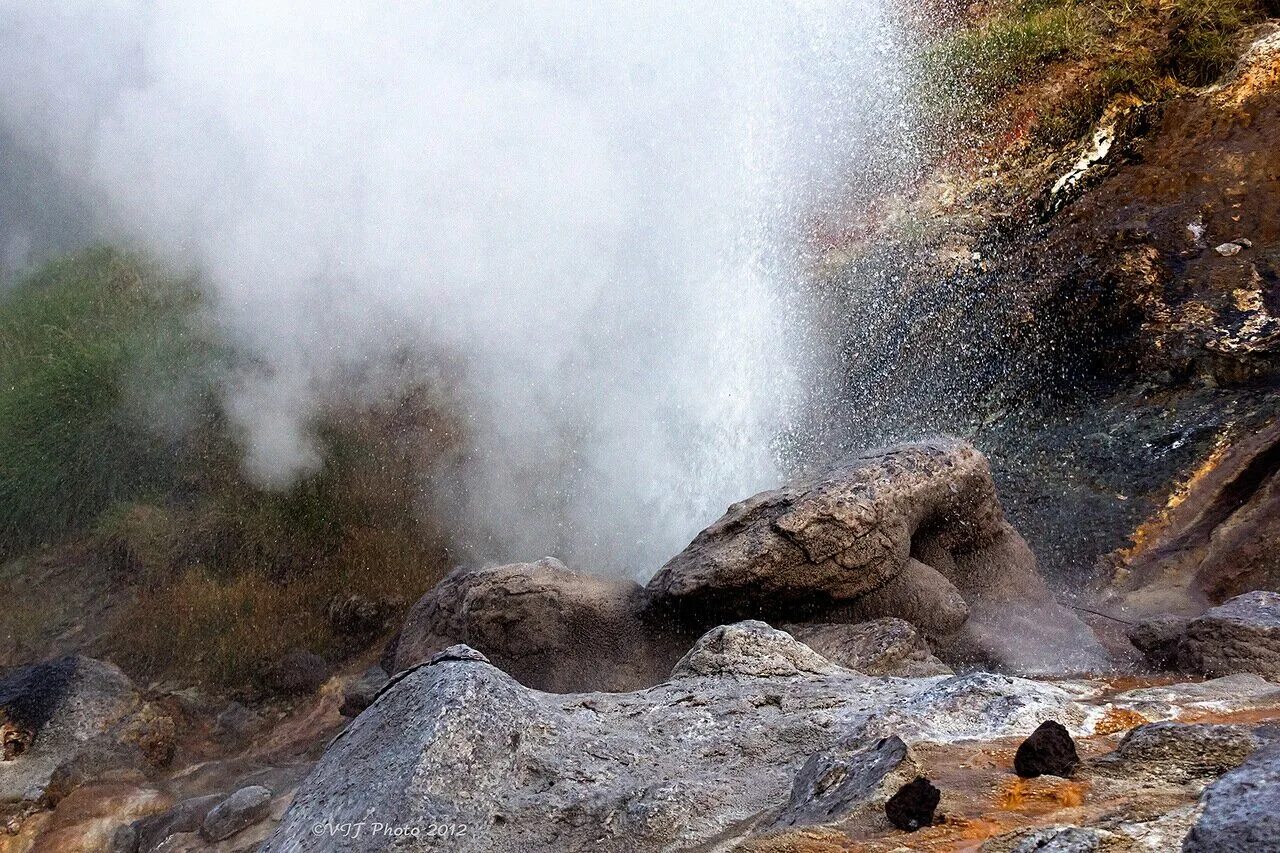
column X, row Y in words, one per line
column 1242, row 635
column 886, row 646
column 549, row 627
column 1220, row 540
column 913, row 531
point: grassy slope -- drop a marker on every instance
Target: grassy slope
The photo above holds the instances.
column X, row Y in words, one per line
column 1147, row 49
column 112, row 444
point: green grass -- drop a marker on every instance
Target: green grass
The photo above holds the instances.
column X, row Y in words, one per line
column 978, row 64
column 1205, row 39
column 83, row 343
column 1147, row 49
column 220, row 576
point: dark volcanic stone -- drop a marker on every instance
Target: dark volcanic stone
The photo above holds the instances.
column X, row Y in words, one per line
column 1048, row 751
column 913, row 805
column 1157, row 638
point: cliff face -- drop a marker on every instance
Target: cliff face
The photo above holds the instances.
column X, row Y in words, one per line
column 1099, row 316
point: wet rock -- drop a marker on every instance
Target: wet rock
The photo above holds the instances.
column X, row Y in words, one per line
column 239, row 811
column 1220, row 541
column 548, row 626
column 977, row 706
column 704, row 759
column 361, row 692
column 1158, row 638
column 1241, row 635
column 1228, row 249
column 52, row 711
column 847, row 782
column 1223, row 695
column 1179, row 752
column 918, row 594
column 298, row 673
column 835, row 537
column 1049, row 750
column 913, row 805
column 886, row 646
column 913, row 531
column 750, row 649
column 1242, row 809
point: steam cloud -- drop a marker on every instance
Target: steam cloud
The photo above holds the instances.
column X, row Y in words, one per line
column 593, row 211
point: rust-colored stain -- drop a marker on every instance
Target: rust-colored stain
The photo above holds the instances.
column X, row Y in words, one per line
column 1119, row 720
column 1150, row 530
column 1038, row 795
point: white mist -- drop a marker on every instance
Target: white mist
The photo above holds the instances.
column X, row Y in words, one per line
column 595, row 211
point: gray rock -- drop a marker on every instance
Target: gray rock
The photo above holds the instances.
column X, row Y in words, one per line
column 239, row 811
column 751, row 649
column 51, row 712
column 886, row 646
column 1158, row 639
column 707, row 758
column 1179, row 752
column 1051, row 839
column 851, row 780
column 549, row 627
column 1217, row 695
column 978, row 706
column 1242, row 809
column 1240, row 635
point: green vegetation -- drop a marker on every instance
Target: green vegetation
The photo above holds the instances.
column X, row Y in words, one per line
column 1145, row 50
column 114, row 452
column 79, row 342
column 1004, row 50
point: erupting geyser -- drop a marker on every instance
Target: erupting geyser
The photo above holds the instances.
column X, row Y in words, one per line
column 592, row 213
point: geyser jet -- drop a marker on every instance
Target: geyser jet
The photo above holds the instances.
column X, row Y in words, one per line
column 592, row 210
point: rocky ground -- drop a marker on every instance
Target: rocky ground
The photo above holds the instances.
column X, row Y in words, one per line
column 1091, row 599
column 909, row 729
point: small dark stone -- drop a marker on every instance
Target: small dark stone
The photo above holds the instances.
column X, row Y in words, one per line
column 1049, row 751
column 914, row 804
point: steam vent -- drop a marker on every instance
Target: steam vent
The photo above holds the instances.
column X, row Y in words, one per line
column 529, row 427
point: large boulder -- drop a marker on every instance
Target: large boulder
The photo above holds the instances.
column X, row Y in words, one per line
column 51, row 713
column 1241, row 635
column 913, row 531
column 1158, row 638
column 546, row 625
column 1242, row 809
column 715, row 755
column 837, row 536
